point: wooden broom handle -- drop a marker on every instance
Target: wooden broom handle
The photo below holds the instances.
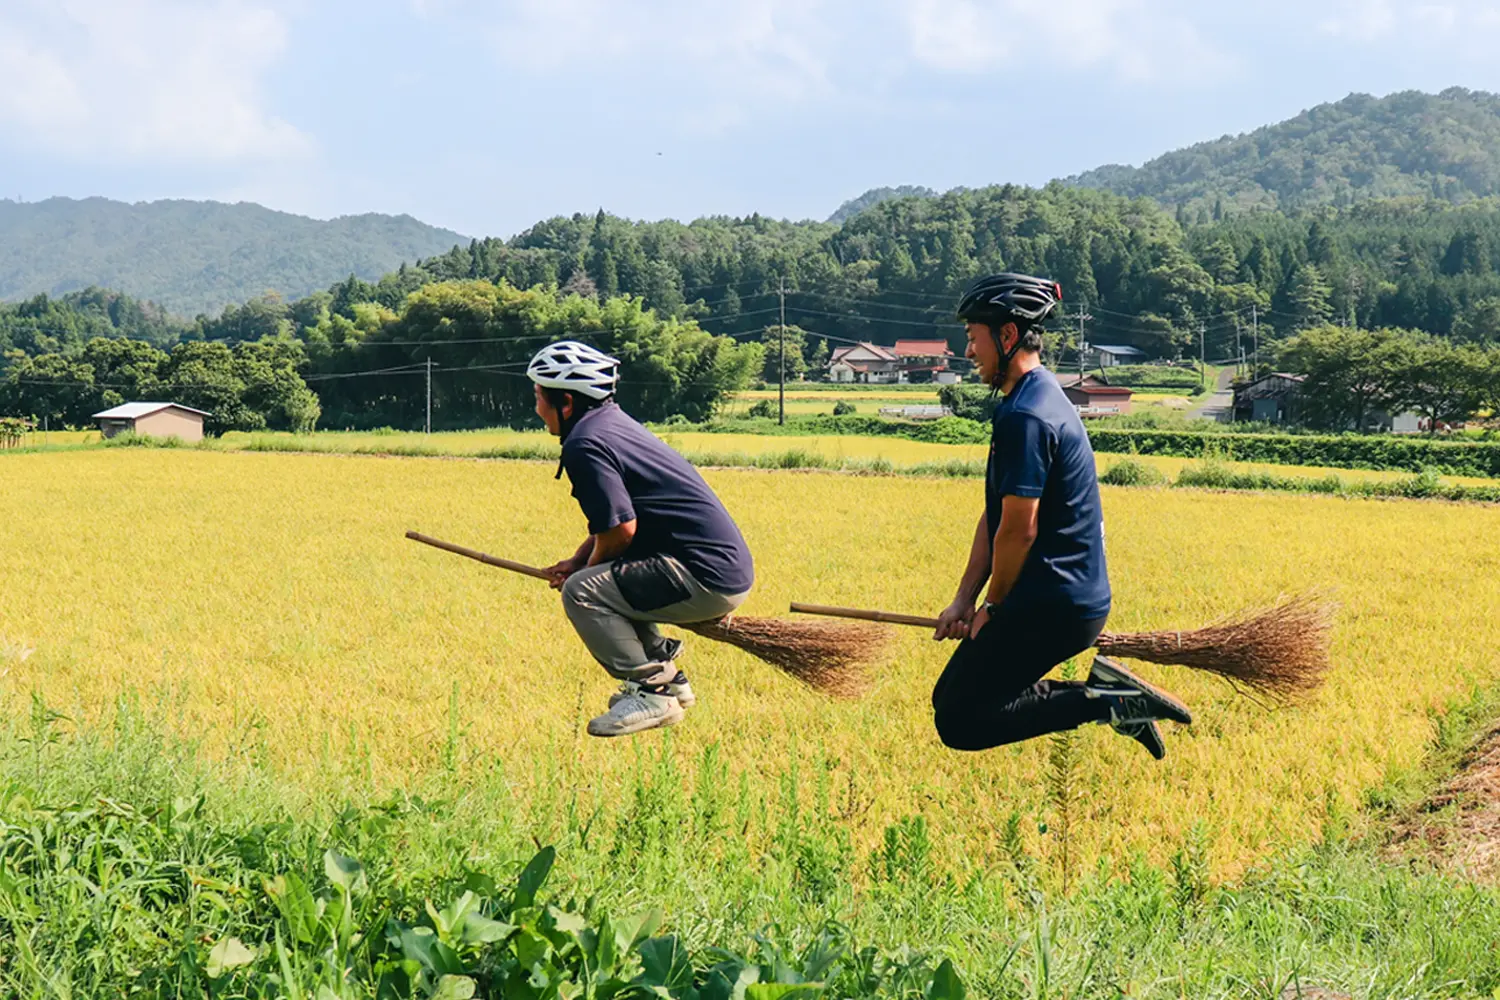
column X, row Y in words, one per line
column 488, row 560
column 863, row 615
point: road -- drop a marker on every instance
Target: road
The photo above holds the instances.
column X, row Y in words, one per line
column 1217, row 405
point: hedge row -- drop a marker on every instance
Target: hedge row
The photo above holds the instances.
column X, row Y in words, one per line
column 1424, row 486
column 1343, row 451
column 1337, row 451
column 947, row 430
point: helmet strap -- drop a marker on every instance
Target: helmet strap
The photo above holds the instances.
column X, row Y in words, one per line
column 1005, row 356
column 569, row 422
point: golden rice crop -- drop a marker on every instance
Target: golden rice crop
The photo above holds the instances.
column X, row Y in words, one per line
column 269, row 605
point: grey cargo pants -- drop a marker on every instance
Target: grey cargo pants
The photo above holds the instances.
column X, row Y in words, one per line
column 615, row 607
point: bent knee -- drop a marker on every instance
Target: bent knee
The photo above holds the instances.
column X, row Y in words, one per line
column 957, row 731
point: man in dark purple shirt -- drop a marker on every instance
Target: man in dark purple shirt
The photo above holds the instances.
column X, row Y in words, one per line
column 661, row 547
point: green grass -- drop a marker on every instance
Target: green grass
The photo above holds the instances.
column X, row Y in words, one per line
column 131, row 866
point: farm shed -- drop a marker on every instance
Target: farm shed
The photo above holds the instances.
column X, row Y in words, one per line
column 163, row 420
column 1094, row 397
column 1269, row 399
column 1109, row 355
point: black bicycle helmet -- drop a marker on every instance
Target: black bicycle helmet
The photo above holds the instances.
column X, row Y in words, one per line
column 1017, row 298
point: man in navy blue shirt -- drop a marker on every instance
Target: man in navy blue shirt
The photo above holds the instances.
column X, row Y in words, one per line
column 661, row 547
column 1040, row 544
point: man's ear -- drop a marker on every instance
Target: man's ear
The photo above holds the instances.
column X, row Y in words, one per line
column 1009, row 335
column 567, row 407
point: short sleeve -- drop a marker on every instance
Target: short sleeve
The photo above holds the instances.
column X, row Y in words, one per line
column 1024, row 449
column 598, row 486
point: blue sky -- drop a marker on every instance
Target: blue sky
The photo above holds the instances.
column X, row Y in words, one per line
column 487, row 115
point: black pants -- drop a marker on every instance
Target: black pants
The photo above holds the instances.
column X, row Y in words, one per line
column 992, row 692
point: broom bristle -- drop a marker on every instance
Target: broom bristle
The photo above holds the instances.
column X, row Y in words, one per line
column 1281, row 651
column 828, row 656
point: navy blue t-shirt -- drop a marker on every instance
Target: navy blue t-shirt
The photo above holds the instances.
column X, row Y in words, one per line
column 1038, row 448
column 620, row 472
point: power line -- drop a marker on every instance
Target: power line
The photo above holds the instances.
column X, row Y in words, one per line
column 873, row 319
column 874, row 302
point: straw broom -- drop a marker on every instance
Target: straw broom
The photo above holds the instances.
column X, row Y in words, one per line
column 1280, row 651
column 828, row 656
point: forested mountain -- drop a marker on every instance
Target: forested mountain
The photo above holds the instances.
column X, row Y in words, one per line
column 1444, row 146
column 875, row 196
column 197, row 256
column 895, row 270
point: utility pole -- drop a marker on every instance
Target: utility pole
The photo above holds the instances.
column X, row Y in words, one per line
column 1255, row 343
column 781, row 383
column 1239, row 348
column 1082, row 344
column 1202, row 358
column 428, row 427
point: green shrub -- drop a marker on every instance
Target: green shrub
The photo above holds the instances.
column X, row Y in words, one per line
column 130, row 439
column 1131, row 472
column 952, row 430
column 1343, row 451
column 842, row 408
column 762, row 408
column 1153, row 376
column 972, row 402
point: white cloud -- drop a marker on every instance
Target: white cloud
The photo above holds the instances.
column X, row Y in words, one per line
column 1134, row 39
column 1376, row 20
column 153, row 81
column 776, row 49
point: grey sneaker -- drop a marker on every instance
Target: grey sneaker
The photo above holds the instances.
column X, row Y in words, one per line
column 635, row 711
column 1134, row 705
column 678, row 687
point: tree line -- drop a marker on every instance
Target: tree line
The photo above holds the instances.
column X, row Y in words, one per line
column 1137, row 275
column 372, row 367
column 250, row 386
column 1351, row 375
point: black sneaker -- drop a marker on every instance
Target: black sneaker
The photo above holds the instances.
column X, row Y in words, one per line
column 1134, row 705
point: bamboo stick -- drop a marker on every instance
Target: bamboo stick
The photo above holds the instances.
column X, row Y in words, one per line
column 864, row 615
column 475, row 554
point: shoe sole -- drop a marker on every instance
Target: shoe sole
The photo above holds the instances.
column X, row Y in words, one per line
column 673, row 716
column 1113, row 671
column 1155, row 745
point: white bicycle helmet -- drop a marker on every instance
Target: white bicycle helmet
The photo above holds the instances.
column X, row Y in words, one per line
column 575, row 367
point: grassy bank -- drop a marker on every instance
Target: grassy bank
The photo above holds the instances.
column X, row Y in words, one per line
column 133, row 867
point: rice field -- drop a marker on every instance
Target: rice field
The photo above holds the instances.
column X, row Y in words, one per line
column 268, row 605
column 802, row 402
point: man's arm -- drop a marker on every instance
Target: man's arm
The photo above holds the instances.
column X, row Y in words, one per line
column 612, row 544
column 1018, row 518
column 953, row 623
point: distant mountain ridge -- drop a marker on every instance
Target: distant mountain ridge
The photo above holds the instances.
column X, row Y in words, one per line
column 1408, row 144
column 198, row 256
column 875, row 196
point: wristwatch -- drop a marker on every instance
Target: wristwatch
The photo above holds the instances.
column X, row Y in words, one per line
column 990, row 608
